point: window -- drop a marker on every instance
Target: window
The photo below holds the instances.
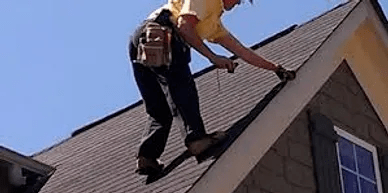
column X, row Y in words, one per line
column 358, row 165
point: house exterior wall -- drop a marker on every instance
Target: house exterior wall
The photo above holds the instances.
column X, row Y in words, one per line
column 288, row 166
column 4, row 184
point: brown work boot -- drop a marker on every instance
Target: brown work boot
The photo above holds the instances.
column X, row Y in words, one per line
column 199, row 146
column 147, row 166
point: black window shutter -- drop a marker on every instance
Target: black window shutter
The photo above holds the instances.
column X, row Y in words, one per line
column 324, row 153
column 383, row 161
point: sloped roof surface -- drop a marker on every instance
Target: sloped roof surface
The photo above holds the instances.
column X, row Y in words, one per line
column 102, row 157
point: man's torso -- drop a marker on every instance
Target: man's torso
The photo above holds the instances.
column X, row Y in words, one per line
column 208, row 12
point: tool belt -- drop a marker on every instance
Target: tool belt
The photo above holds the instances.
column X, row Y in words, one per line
column 154, row 48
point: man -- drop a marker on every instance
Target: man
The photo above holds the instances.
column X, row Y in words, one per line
column 169, row 90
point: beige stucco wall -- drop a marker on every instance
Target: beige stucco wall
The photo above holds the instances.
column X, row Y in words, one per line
column 367, row 56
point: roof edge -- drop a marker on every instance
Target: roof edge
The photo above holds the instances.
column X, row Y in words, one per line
column 25, row 161
column 103, row 119
column 375, row 4
column 328, row 11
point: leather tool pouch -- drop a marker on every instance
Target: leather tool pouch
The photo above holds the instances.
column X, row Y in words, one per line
column 154, row 49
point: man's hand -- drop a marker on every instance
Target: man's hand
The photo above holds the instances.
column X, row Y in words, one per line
column 186, row 26
column 223, row 62
column 285, row 75
column 236, row 47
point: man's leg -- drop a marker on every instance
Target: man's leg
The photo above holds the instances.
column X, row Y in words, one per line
column 184, row 92
column 185, row 96
column 159, row 113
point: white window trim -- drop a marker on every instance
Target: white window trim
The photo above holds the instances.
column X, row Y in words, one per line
column 365, row 145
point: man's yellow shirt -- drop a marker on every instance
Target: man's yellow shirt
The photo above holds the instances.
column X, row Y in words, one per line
column 208, row 12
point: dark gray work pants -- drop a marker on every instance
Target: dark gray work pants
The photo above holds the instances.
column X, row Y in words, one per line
column 167, row 92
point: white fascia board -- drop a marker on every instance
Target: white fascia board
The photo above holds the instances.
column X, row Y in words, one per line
column 240, row 158
column 24, row 162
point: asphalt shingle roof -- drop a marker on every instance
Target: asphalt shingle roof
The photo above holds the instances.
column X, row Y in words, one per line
column 101, row 156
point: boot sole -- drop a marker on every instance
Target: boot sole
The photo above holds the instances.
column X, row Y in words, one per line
column 149, row 170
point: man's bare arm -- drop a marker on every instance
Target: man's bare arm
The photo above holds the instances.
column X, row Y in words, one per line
column 233, row 45
column 186, row 27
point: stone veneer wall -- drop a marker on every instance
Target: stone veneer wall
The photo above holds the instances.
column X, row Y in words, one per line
column 288, row 167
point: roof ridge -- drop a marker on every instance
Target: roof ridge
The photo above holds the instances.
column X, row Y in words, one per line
column 380, row 13
column 357, row 2
column 325, row 13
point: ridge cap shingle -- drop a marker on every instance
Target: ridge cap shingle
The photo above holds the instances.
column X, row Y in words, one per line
column 328, row 11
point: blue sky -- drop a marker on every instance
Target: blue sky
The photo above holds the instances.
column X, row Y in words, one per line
column 64, row 63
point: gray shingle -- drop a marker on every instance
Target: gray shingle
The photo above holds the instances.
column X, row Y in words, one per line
column 102, row 158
